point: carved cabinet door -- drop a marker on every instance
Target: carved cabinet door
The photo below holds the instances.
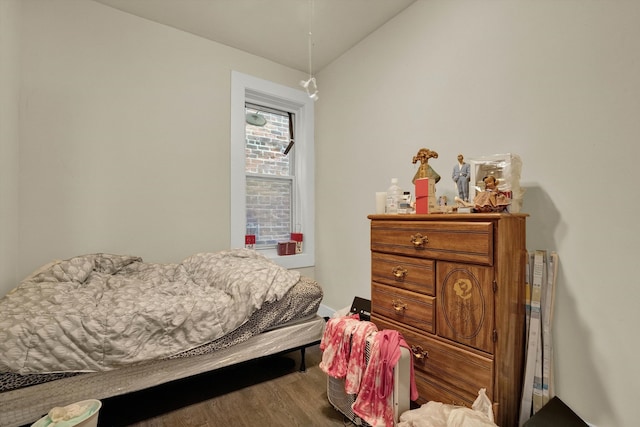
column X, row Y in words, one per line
column 465, row 304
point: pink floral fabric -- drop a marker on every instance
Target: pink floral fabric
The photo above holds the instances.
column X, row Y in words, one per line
column 357, row 359
column 343, row 348
column 374, row 401
column 343, row 345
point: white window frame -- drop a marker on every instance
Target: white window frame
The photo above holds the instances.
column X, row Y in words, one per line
column 246, row 88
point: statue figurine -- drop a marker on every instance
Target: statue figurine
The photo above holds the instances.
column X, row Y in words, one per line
column 461, row 176
column 425, row 171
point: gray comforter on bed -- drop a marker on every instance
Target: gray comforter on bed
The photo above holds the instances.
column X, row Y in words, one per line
column 99, row 312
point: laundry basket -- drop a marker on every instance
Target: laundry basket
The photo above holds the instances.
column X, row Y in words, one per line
column 84, row 414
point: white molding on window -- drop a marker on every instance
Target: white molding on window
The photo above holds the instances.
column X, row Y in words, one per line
column 263, row 92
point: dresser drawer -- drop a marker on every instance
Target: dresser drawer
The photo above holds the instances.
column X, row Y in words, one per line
column 411, row 308
column 413, row 274
column 441, row 240
column 452, row 367
column 430, row 388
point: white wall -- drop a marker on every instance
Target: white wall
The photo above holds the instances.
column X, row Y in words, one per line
column 125, row 135
column 557, row 83
column 9, row 140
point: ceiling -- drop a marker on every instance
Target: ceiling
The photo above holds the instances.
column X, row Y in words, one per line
column 277, row 30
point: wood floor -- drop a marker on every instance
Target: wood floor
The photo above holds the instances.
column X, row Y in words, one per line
column 267, row 392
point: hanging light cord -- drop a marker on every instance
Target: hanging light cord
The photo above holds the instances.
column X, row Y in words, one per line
column 310, row 85
column 310, row 38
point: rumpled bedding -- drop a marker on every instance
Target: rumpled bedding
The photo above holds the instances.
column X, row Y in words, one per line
column 99, row 312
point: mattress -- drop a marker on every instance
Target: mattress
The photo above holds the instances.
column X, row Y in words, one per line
column 27, row 404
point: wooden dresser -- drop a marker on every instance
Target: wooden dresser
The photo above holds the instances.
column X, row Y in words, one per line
column 453, row 285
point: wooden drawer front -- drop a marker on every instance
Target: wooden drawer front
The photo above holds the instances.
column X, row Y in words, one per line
column 403, row 306
column 430, row 388
column 413, row 274
column 446, row 364
column 465, row 304
column 453, row 241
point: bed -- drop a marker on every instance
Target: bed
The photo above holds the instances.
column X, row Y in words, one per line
column 102, row 325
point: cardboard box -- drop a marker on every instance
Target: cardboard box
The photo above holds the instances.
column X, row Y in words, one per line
column 425, row 195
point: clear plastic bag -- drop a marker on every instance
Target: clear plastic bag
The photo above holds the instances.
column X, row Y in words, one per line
column 506, row 168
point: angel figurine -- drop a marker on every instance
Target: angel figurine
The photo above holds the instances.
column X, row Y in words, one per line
column 425, row 171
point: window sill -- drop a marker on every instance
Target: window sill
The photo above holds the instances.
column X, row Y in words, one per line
column 290, row 261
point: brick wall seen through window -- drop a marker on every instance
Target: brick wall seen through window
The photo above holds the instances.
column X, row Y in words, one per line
column 269, row 179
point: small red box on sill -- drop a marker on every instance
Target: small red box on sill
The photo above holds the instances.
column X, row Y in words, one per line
column 249, row 241
column 287, row 248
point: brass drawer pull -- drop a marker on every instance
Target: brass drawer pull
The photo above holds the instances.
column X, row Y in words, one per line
column 399, row 273
column 419, row 241
column 419, row 353
column 399, row 306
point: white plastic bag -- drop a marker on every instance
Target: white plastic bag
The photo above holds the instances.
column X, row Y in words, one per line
column 431, row 414
column 437, row 414
column 483, row 405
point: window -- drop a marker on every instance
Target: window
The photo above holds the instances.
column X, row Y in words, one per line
column 272, row 194
column 269, row 174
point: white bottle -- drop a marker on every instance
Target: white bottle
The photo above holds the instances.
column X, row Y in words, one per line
column 394, row 195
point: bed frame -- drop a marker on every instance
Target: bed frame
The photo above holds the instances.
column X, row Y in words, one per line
column 26, row 405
